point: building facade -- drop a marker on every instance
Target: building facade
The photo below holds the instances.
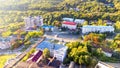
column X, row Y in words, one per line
column 101, row 29
column 31, row 22
column 61, row 53
column 79, row 21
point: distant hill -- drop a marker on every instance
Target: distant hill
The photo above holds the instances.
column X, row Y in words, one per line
column 12, row 11
column 45, row 4
column 27, row 4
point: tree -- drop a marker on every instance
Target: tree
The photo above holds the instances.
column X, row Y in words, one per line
column 46, row 53
column 79, row 53
column 87, row 59
column 6, row 34
column 99, row 52
column 117, row 6
column 81, row 61
column 85, row 23
column 117, row 37
column 100, row 22
column 27, row 43
column 117, row 26
column 93, row 63
column 94, row 38
column 16, row 43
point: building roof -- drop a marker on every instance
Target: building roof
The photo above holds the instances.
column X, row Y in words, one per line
column 80, row 19
column 68, row 19
column 105, row 49
column 30, row 28
column 49, row 45
column 69, row 23
column 61, row 51
column 90, row 26
column 36, row 57
column 47, row 26
column 38, row 17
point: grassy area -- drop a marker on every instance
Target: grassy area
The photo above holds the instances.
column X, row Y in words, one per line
column 4, row 58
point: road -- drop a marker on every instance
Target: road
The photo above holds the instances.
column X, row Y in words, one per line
column 8, row 51
column 61, row 39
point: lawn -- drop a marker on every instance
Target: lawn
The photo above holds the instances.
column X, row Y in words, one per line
column 4, row 58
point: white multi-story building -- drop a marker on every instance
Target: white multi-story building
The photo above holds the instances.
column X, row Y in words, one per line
column 69, row 25
column 30, row 22
column 56, row 50
column 68, row 19
column 77, row 21
column 101, row 29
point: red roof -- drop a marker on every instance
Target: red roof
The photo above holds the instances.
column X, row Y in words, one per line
column 69, row 23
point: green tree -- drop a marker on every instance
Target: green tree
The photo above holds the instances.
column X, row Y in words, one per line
column 46, row 53
column 117, row 26
column 85, row 23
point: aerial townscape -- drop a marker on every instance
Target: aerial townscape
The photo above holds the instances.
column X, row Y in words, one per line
column 59, row 33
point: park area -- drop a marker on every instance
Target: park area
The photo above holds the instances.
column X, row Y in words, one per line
column 4, row 58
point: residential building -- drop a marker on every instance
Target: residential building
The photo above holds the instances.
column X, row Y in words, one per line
column 31, row 22
column 56, row 50
column 79, row 21
column 101, row 29
column 106, row 51
column 75, row 9
column 68, row 19
column 108, row 22
column 69, row 25
column 39, row 21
